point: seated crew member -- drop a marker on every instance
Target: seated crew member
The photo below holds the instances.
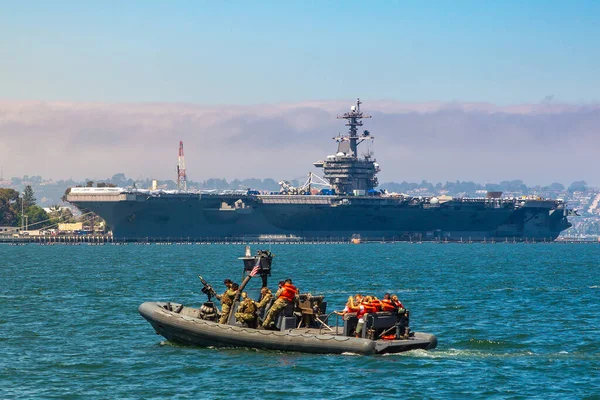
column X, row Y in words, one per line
column 375, row 302
column 397, row 302
column 227, row 300
column 350, row 307
column 246, row 312
column 387, row 304
column 287, row 295
column 279, row 289
column 265, row 297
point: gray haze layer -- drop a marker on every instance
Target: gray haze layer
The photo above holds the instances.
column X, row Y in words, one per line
column 539, row 143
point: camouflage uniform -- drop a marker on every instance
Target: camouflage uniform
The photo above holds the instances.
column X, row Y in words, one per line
column 226, row 302
column 274, row 311
column 247, row 312
column 264, row 300
column 278, row 292
column 285, row 295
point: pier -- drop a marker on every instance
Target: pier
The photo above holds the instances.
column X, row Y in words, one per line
column 104, row 239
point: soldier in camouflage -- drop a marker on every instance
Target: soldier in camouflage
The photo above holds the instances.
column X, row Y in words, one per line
column 246, row 312
column 265, row 297
column 261, row 306
column 227, row 300
column 286, row 295
column 279, row 289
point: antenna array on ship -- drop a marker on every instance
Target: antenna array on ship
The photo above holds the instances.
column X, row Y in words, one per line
column 181, row 175
column 347, row 173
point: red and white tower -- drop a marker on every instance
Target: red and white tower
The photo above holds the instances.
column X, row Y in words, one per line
column 181, row 176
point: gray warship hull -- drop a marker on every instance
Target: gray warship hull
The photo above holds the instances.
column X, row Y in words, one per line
column 158, row 215
column 184, row 328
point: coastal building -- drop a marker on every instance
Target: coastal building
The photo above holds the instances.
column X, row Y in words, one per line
column 70, row 227
column 9, row 230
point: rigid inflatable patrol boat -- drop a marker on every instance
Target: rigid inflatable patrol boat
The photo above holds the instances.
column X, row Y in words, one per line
column 303, row 326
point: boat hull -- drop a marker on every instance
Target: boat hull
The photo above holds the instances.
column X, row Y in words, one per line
column 187, row 329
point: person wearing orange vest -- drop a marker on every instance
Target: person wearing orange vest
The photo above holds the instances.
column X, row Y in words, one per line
column 287, row 295
column 397, row 302
column 358, row 298
column 279, row 289
column 351, row 307
column 387, row 304
column 375, row 302
column 366, row 307
column 403, row 329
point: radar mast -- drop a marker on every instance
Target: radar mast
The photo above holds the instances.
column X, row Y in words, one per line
column 345, row 171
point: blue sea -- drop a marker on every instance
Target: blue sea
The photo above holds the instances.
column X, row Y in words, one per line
column 513, row 321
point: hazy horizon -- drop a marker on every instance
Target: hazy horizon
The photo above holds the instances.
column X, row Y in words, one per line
column 437, row 142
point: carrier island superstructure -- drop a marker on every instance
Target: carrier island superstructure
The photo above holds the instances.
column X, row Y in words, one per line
column 352, row 206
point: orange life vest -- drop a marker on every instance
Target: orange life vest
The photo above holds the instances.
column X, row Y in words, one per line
column 398, row 304
column 387, row 305
column 377, row 304
column 361, row 311
column 369, row 308
column 289, row 292
column 353, row 309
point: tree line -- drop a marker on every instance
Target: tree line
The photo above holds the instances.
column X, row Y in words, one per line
column 52, row 193
column 16, row 209
column 269, row 184
column 471, row 188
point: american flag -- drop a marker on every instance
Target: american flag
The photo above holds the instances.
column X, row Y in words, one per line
column 255, row 269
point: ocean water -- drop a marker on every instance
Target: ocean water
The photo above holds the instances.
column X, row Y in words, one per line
column 512, row 320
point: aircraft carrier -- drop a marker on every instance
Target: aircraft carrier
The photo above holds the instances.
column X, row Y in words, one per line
column 350, row 206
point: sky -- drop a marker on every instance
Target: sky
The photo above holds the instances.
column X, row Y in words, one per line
column 126, row 79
